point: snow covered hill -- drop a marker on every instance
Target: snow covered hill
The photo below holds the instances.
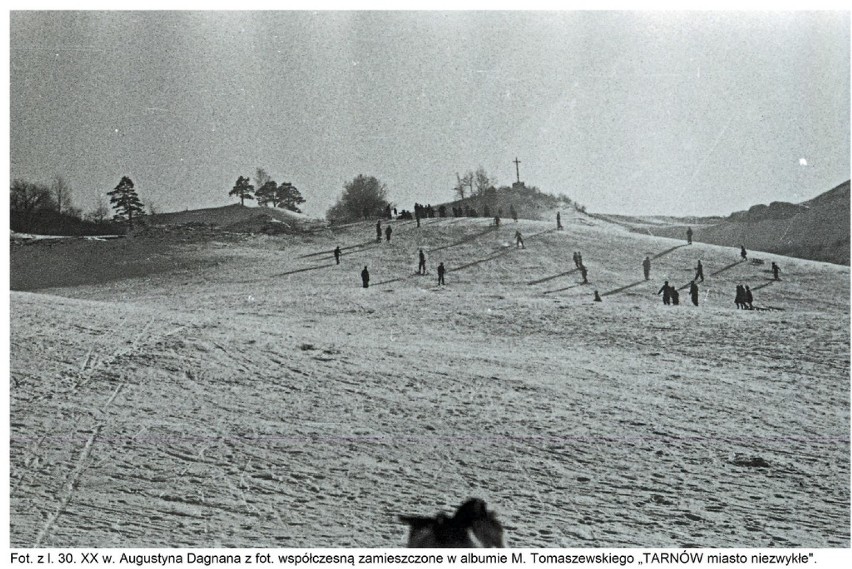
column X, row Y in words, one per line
column 249, row 392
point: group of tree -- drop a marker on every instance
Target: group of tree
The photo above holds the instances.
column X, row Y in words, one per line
column 49, row 210
column 473, row 183
column 267, row 192
column 364, row 197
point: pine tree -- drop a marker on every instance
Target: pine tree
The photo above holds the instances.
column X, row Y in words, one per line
column 267, row 194
column 243, row 190
column 289, row 197
column 125, row 202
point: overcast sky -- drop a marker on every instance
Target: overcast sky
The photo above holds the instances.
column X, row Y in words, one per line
column 626, row 112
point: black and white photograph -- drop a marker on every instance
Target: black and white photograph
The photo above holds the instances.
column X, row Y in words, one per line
column 428, row 279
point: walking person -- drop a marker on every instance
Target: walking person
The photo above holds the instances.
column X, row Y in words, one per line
column 388, row 232
column 519, row 240
column 689, row 236
column 675, row 296
column 337, row 254
column 365, row 277
column 646, row 267
column 743, row 253
column 699, row 272
column 441, row 271
column 748, row 298
column 421, row 268
column 667, row 293
column 378, row 231
column 775, row 270
column 693, row 292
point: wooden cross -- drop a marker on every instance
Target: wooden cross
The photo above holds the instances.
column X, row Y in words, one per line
column 517, row 171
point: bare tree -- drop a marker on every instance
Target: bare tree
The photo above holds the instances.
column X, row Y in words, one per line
column 261, row 178
column 101, row 211
column 463, row 182
column 482, row 181
column 61, row 191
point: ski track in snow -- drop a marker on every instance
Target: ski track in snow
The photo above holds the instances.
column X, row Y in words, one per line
column 251, row 405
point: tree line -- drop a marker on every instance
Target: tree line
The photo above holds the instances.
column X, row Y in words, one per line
column 267, row 192
column 48, row 209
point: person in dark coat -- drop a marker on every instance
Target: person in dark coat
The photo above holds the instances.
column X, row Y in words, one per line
column 675, row 296
column 598, row 297
column 558, row 221
column 378, row 231
column 497, row 221
column 748, row 298
column 519, row 240
column 689, row 236
column 583, row 273
column 646, row 267
column 775, row 270
column 388, row 232
column 337, row 254
column 739, row 300
column 365, row 277
column 441, row 271
column 743, row 253
column 417, row 216
column 699, row 272
column 693, row 292
column 667, row 293
column 579, row 260
column 421, row 268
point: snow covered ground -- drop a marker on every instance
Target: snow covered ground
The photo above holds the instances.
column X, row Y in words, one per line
column 250, row 393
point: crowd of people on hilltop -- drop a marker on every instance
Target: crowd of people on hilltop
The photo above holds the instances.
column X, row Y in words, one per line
column 744, row 297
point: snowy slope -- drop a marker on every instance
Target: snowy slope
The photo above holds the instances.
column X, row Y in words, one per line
column 253, row 394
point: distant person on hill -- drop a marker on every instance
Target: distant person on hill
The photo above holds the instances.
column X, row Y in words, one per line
column 598, row 297
column 441, row 272
column 699, row 271
column 693, row 292
column 496, row 221
column 748, row 297
column 675, row 296
column 583, row 273
column 667, row 293
column 388, row 232
column 421, row 268
column 689, row 236
column 519, row 240
column 378, row 231
column 394, row 212
column 337, row 254
column 579, row 260
column 417, row 216
column 365, row 277
column 739, row 300
column 775, row 270
column 558, row 221
column 743, row 253
column 646, row 267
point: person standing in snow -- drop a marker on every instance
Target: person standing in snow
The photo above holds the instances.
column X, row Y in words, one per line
column 379, row 231
column 441, row 272
column 743, row 253
column 388, row 232
column 675, row 296
column 421, row 268
column 558, row 221
column 775, row 270
column 598, row 297
column 689, row 236
column 667, row 293
column 748, row 298
column 519, row 240
column 646, row 267
column 693, row 292
column 337, row 254
column 583, row 273
column 365, row 277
